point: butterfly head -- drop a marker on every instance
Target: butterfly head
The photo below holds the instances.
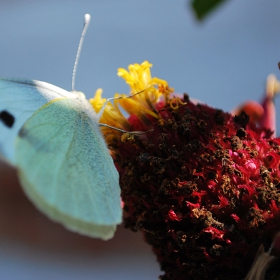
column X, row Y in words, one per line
column 78, row 94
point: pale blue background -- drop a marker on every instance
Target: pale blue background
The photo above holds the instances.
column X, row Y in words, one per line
column 223, row 61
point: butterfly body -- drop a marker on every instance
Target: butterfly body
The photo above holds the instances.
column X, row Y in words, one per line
column 52, row 137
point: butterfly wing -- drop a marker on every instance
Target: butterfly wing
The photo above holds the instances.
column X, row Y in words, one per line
column 66, row 170
column 19, row 99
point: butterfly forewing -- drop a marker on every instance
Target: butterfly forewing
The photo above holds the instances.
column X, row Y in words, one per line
column 19, row 99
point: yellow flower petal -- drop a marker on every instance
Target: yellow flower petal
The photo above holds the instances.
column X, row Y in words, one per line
column 145, row 92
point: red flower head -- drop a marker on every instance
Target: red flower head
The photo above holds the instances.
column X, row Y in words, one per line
column 201, row 184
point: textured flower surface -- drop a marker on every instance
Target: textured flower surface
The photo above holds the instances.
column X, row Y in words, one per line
column 201, row 184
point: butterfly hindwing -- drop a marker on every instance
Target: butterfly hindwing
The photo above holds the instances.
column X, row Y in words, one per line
column 66, row 170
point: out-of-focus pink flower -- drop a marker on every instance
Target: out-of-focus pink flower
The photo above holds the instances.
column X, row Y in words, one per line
column 264, row 114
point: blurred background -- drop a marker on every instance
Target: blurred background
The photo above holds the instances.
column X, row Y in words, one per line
column 222, row 61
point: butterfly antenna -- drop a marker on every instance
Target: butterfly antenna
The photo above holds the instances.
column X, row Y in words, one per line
column 86, row 24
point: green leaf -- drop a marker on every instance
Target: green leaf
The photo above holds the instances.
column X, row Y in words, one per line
column 203, row 7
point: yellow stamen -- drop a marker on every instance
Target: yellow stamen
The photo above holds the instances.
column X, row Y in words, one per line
column 111, row 115
column 142, row 105
column 177, row 101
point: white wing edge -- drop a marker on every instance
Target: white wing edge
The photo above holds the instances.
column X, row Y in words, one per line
column 39, row 84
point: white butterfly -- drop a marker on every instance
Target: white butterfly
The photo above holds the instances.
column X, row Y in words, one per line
column 52, row 137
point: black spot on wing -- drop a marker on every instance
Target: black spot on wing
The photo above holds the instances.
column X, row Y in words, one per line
column 7, row 118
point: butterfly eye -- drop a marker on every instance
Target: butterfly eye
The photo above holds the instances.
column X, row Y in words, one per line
column 7, row 118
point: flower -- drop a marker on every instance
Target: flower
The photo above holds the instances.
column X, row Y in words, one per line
column 263, row 114
column 200, row 183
